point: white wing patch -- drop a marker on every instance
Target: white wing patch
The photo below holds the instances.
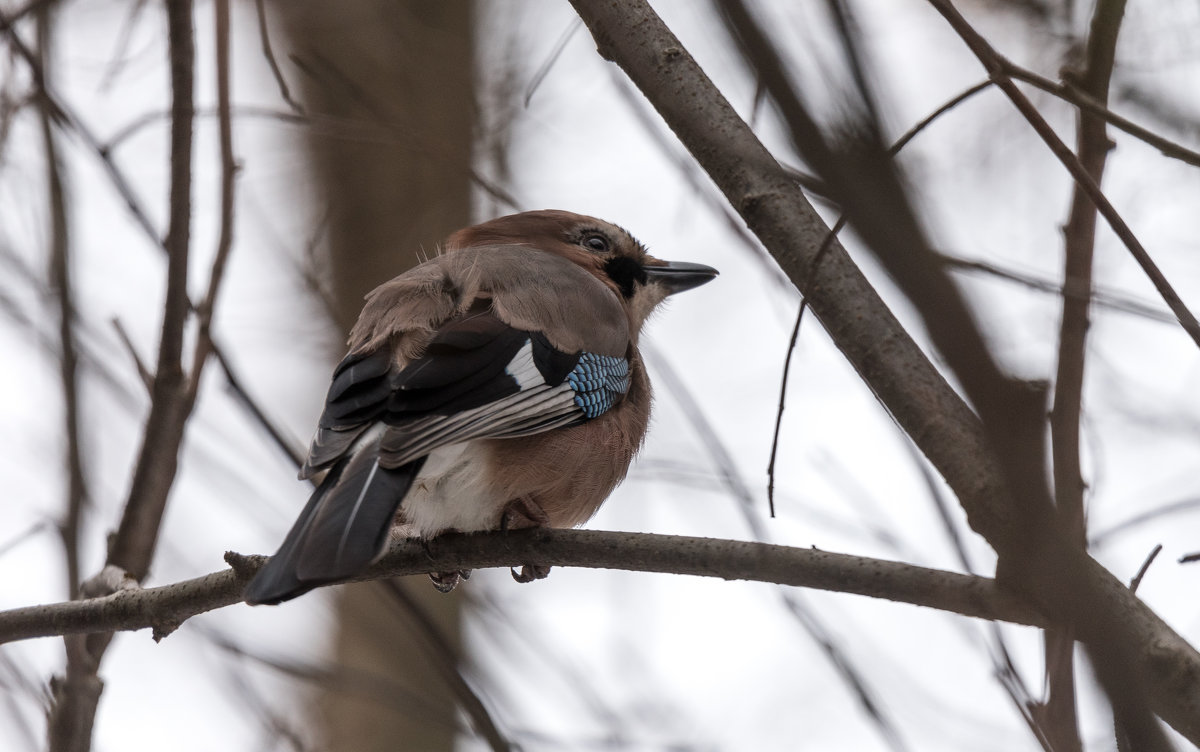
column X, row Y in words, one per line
column 523, row 370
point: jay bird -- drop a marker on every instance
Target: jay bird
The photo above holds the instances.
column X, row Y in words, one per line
column 495, row 386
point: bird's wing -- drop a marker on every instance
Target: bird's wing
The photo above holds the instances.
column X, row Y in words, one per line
column 478, row 378
column 493, row 342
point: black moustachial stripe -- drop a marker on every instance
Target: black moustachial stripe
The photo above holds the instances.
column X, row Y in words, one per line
column 625, row 271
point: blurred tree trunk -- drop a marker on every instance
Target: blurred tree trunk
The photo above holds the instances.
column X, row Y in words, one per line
column 389, row 86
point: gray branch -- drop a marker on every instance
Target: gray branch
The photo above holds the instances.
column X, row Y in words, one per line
column 164, row 608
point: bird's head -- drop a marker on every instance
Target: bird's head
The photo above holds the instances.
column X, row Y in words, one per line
column 605, row 250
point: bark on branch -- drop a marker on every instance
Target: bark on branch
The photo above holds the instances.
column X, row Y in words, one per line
column 165, row 608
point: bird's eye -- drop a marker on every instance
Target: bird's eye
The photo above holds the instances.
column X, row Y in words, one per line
column 595, row 243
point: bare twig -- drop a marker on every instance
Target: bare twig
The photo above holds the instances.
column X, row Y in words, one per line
column 288, row 445
column 229, row 169
column 119, row 58
column 166, row 607
column 61, row 287
column 1141, row 518
column 996, row 67
column 264, row 37
column 143, row 370
column 912, row 132
column 23, row 536
column 787, row 365
column 555, row 53
column 1101, row 298
column 1068, row 93
column 1137, row 578
column 895, row 148
column 64, row 114
column 1059, row 713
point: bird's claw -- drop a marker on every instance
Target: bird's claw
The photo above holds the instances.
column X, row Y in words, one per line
column 530, row 572
column 447, row 581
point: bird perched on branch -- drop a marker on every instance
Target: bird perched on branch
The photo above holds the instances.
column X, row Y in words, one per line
column 496, row 386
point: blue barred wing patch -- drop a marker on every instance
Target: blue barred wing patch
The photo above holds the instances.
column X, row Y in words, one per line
column 598, row 381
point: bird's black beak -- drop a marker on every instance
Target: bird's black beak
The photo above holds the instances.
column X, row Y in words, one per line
column 678, row 276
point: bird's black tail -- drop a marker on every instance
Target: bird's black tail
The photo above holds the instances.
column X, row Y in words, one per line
column 342, row 529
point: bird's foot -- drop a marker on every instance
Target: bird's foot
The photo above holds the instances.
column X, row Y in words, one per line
column 447, row 581
column 530, row 572
column 523, row 514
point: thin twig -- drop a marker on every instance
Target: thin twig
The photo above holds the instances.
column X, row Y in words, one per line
column 895, row 148
column 289, row 446
column 555, row 53
column 168, row 606
column 143, row 370
column 118, row 59
column 61, row 286
column 23, row 536
column 229, row 170
column 1101, row 298
column 264, row 37
column 1137, row 578
column 912, row 132
column 64, row 114
column 1069, row 93
column 1058, row 712
column 996, row 67
column 787, row 365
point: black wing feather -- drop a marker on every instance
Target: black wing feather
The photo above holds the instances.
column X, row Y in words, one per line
column 342, row 529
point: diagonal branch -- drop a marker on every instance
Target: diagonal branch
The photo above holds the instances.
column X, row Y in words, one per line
column 1069, row 93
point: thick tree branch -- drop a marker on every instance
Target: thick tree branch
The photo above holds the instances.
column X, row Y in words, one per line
column 885, row 356
column 165, row 608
